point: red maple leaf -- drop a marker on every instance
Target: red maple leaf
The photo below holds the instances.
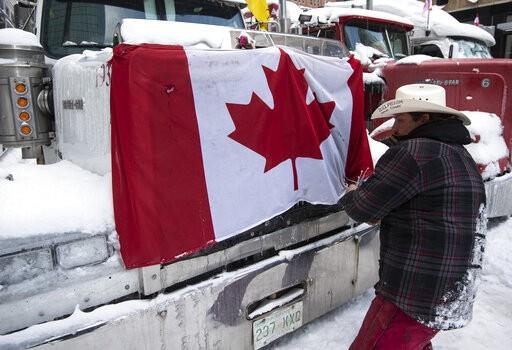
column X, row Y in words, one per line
column 291, row 129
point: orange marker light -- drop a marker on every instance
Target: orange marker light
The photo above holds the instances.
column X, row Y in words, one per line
column 22, row 102
column 24, row 116
column 25, row 129
column 20, row 88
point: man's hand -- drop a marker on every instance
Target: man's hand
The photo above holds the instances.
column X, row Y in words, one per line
column 374, row 223
column 351, row 187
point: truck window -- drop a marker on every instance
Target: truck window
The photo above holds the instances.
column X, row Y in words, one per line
column 204, row 12
column 398, row 40
column 430, row 50
column 372, row 37
column 71, row 26
column 470, row 48
column 508, row 47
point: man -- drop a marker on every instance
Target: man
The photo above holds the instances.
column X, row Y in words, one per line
column 429, row 196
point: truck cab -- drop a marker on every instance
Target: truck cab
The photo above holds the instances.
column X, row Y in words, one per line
column 387, row 34
column 71, row 27
column 371, row 36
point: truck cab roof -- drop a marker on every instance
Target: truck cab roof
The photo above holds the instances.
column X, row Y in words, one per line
column 335, row 14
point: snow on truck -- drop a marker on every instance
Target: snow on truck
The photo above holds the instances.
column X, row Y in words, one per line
column 473, row 83
column 174, row 192
column 435, row 32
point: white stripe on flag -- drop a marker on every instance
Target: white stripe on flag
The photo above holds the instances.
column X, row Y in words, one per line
column 241, row 195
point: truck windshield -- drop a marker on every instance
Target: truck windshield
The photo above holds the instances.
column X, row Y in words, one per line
column 70, row 26
column 469, row 48
column 376, row 37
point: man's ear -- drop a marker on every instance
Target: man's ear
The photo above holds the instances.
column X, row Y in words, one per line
column 425, row 117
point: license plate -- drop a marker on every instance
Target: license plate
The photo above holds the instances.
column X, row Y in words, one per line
column 277, row 324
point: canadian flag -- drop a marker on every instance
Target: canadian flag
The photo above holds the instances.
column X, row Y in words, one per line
column 207, row 144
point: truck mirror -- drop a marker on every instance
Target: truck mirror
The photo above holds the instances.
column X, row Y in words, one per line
column 304, row 18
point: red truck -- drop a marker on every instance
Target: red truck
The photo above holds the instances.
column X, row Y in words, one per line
column 480, row 86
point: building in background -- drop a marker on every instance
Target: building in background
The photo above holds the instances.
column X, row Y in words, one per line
column 493, row 15
column 311, row 3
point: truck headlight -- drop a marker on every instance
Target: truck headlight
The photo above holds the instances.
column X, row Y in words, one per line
column 15, row 268
column 87, row 251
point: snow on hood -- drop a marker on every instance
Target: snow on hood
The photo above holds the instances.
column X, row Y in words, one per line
column 332, row 15
column 55, row 198
column 491, row 146
column 416, row 59
column 365, row 54
column 441, row 23
column 372, row 78
column 12, row 36
column 203, row 36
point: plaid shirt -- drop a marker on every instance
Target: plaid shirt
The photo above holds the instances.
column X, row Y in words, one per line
column 429, row 196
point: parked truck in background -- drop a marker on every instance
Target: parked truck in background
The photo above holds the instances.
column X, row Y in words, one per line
column 55, row 106
column 435, row 32
column 476, row 82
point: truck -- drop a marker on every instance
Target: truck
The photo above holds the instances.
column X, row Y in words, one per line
column 478, row 85
column 66, row 280
column 435, row 32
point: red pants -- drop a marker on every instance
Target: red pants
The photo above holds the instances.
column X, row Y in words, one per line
column 386, row 327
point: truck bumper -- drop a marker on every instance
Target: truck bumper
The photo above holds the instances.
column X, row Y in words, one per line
column 213, row 314
column 499, row 196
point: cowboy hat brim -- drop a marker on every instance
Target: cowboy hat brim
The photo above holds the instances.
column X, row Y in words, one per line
column 397, row 106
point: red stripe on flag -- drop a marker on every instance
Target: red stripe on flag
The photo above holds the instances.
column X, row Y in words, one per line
column 161, row 203
column 359, row 159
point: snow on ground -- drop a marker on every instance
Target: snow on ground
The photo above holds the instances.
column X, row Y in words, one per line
column 492, row 318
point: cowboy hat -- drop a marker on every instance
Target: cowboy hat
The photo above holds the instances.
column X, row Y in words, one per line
column 418, row 98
